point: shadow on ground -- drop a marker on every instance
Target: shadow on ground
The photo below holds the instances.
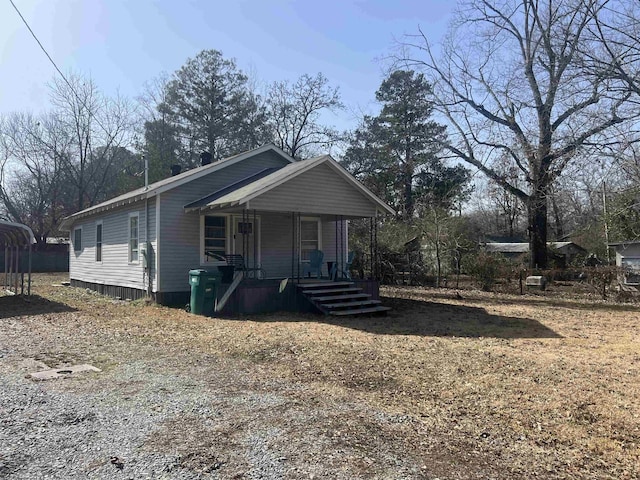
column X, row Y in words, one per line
column 429, row 319
column 541, row 300
column 15, row 306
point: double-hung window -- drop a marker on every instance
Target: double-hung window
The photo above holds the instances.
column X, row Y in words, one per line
column 214, row 239
column 134, row 247
column 309, row 237
column 77, row 239
column 99, row 242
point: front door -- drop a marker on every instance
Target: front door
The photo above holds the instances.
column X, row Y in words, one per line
column 246, row 240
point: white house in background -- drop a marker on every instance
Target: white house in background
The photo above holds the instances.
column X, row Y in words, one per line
column 261, row 204
column 628, row 257
column 568, row 250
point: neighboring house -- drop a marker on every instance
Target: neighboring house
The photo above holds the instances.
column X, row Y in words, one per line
column 628, row 257
column 566, row 250
column 260, row 204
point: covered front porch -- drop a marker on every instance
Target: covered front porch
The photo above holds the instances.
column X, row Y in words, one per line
column 264, row 260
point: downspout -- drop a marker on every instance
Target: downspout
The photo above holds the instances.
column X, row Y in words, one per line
column 147, row 260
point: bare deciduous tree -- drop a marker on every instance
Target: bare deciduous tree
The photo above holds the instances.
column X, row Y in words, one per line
column 97, row 127
column 514, row 81
column 32, row 190
column 294, row 111
column 59, row 162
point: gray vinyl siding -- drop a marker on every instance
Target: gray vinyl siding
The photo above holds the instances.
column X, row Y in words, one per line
column 276, row 238
column 115, row 268
column 320, row 190
column 329, row 241
column 277, row 245
column 179, row 249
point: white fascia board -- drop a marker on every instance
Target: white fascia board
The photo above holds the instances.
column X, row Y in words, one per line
column 67, row 222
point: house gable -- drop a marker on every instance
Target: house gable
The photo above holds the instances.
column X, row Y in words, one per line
column 315, row 186
column 319, row 190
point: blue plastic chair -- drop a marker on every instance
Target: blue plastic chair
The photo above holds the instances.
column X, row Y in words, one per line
column 315, row 264
column 346, row 273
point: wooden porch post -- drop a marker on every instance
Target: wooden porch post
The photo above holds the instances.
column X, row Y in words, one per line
column 376, row 254
column 371, row 273
column 342, row 252
column 245, row 240
column 293, row 243
column 337, row 267
column 298, row 244
column 255, row 243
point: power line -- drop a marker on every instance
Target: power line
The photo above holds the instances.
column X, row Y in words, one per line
column 71, row 87
column 42, row 47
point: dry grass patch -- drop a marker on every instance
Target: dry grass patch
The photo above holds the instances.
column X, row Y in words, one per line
column 485, row 385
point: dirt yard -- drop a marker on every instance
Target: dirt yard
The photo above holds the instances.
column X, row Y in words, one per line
column 482, row 386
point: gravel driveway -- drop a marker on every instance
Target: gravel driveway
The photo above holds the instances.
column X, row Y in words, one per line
column 159, row 411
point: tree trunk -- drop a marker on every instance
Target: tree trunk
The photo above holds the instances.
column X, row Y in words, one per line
column 538, row 228
column 408, row 192
column 557, row 217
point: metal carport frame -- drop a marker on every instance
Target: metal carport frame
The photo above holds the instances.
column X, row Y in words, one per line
column 14, row 237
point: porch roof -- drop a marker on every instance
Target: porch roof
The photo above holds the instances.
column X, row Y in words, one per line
column 294, row 188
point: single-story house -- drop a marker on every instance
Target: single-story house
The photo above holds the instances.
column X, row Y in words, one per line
column 566, row 250
column 262, row 209
column 628, row 257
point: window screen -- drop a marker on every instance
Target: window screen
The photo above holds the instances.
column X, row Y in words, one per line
column 99, row 242
column 133, row 238
column 215, row 238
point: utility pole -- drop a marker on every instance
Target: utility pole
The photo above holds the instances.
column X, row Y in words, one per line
column 606, row 224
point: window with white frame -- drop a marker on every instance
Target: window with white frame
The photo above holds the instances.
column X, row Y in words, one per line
column 309, row 237
column 99, row 242
column 214, row 238
column 77, row 239
column 134, row 247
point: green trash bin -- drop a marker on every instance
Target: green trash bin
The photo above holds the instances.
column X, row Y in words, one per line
column 204, row 285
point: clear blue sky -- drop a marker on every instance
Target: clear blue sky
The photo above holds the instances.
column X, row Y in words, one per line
column 123, row 43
